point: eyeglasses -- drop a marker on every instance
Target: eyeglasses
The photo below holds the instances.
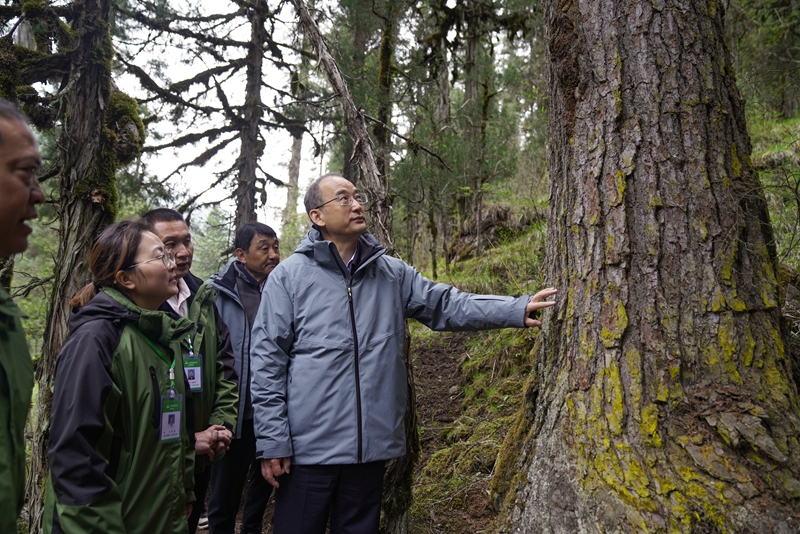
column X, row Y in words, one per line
column 166, row 258
column 346, row 200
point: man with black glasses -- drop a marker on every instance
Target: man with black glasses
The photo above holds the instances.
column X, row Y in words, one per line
column 329, row 378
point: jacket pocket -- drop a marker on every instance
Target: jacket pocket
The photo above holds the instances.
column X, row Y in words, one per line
column 154, row 420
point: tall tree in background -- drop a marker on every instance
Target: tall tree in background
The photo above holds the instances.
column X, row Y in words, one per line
column 663, row 399
column 205, row 104
column 300, row 87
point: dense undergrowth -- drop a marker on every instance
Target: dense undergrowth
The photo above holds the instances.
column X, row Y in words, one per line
column 776, row 157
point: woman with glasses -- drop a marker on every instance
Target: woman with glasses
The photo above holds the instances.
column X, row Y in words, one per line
column 120, row 455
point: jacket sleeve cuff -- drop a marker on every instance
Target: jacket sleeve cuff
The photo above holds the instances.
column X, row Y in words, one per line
column 273, row 450
column 521, row 305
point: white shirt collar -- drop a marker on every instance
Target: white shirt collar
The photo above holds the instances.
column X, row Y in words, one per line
column 178, row 302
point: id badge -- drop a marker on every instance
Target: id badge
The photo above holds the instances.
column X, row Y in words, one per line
column 193, row 368
column 170, row 419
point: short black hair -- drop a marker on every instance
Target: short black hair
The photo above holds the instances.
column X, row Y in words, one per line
column 248, row 231
column 152, row 217
column 313, row 196
column 10, row 112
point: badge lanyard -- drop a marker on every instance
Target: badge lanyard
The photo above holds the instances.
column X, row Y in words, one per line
column 193, row 367
column 170, row 431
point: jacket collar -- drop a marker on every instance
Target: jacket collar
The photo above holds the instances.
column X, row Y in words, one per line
column 327, row 256
column 155, row 325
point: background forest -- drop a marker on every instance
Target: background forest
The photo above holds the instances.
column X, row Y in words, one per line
column 216, row 107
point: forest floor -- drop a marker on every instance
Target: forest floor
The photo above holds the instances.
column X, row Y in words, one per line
column 440, row 399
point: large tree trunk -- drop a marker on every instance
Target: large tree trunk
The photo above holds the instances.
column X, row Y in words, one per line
column 252, row 145
column 87, row 161
column 662, row 400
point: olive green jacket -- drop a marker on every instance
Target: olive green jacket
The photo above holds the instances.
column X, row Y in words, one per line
column 16, row 384
column 217, row 403
column 108, row 470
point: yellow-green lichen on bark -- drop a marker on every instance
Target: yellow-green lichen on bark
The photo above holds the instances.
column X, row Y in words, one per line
column 613, row 393
column 633, row 361
column 727, row 256
column 614, row 320
column 749, row 346
column 736, row 165
column 729, row 343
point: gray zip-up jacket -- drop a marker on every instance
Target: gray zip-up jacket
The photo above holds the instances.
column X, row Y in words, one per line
column 328, row 378
column 231, row 310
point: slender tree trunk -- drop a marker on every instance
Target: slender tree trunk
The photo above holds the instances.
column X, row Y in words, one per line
column 472, row 113
column 434, row 232
column 361, row 36
column 662, row 400
column 362, row 156
column 88, row 202
column 383, row 138
column 252, row 147
column 441, row 73
column 289, row 215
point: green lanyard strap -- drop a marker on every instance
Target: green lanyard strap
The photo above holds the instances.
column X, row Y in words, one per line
column 161, row 355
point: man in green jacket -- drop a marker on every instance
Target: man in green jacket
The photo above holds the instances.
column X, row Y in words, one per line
column 19, row 194
column 214, row 389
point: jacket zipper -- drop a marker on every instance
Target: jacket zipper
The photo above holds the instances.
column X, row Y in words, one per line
column 154, row 420
column 358, row 379
column 197, row 325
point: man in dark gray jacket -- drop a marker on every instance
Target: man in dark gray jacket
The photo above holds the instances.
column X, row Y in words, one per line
column 239, row 288
column 328, row 378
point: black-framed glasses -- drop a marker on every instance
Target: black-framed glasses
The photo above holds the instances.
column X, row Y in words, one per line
column 346, row 200
column 166, row 258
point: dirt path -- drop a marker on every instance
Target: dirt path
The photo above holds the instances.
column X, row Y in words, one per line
column 439, row 405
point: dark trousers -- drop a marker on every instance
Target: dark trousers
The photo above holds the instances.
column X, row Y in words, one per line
column 349, row 494
column 228, row 478
column 200, row 488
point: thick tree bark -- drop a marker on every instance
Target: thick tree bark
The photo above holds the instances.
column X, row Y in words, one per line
column 88, row 201
column 662, row 400
column 252, row 147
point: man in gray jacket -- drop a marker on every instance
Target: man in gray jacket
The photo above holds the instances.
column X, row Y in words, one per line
column 239, row 288
column 328, row 377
